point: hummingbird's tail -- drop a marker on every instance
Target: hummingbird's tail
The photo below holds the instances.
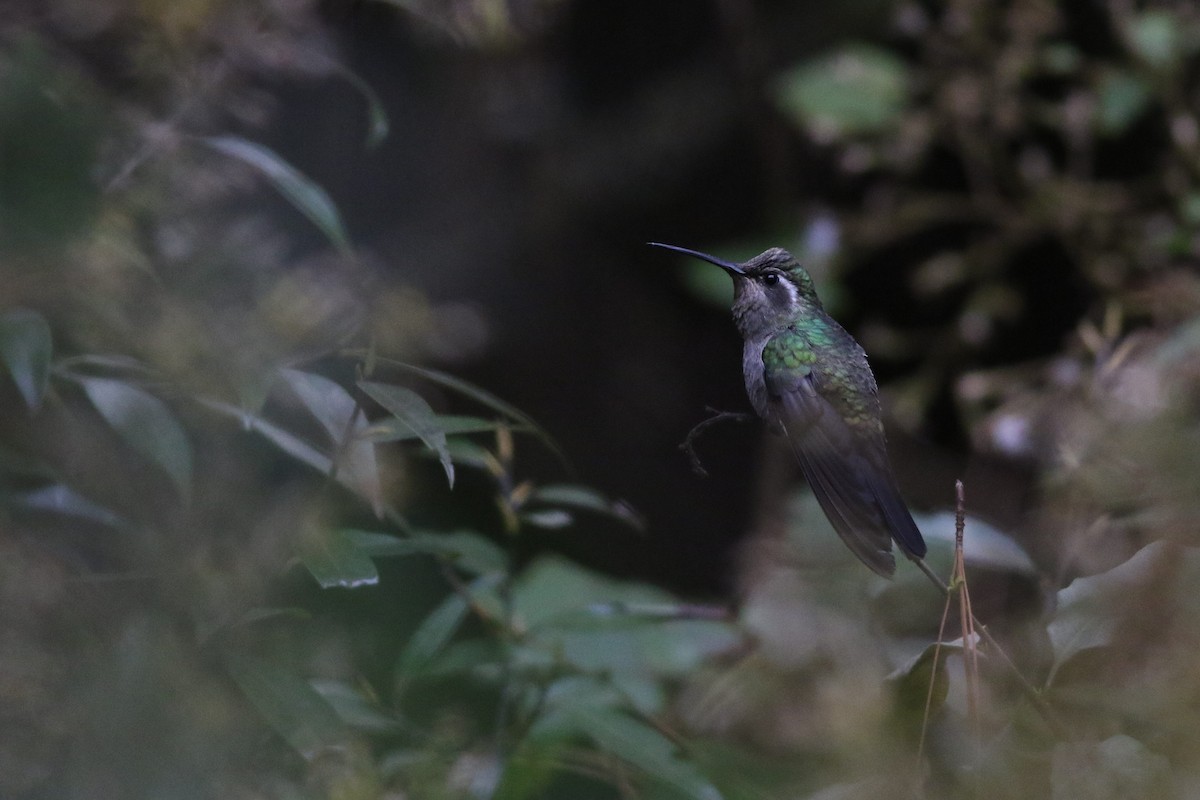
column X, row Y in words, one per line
column 858, row 494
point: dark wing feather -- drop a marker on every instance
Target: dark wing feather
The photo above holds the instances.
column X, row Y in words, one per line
column 847, row 471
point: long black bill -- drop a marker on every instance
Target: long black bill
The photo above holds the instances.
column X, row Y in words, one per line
column 728, row 266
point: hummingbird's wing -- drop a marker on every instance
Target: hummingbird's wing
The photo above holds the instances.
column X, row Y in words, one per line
column 845, row 463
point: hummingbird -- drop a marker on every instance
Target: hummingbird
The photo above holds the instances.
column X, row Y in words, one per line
column 809, row 380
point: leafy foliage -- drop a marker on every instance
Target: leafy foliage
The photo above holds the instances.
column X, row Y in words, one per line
column 251, row 546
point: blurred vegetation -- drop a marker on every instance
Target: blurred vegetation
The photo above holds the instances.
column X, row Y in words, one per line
column 253, row 546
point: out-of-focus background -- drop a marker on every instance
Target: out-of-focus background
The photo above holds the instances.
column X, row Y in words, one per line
column 343, row 399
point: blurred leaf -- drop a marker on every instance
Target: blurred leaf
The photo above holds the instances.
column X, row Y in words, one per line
column 111, row 364
column 394, row 430
column 859, row 89
column 472, row 656
column 581, row 497
column 147, row 425
column 484, row 398
column 983, row 545
column 1155, row 36
column 334, row 559
column 309, row 198
column 332, row 405
column 25, row 346
column 551, row 519
column 377, row 119
column 631, row 740
column 529, row 770
column 62, row 499
column 869, row 789
column 355, row 709
column 1122, row 97
column 1061, row 58
column 469, row 454
column 910, row 681
column 1118, row 768
column 344, row 421
column 557, row 601
column 1088, row 610
column 262, row 614
column 435, row 632
column 289, row 705
column 410, row 409
column 289, row 443
column 465, row 549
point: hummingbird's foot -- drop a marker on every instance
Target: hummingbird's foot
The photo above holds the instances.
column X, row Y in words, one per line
column 717, row 416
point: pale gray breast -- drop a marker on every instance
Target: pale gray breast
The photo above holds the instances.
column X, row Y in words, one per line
column 752, row 370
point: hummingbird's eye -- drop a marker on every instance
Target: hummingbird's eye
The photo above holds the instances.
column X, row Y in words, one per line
column 771, row 278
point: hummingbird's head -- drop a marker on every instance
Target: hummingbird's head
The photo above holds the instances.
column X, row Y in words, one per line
column 770, row 291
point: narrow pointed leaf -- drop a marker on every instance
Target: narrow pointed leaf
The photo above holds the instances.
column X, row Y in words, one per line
column 549, row 519
column 342, row 419
column 631, row 740
column 288, row 442
column 393, row 430
column 299, row 190
column 287, row 703
column 465, row 549
column 356, row 710
column 26, row 346
column 411, row 409
column 61, row 499
column 147, row 425
column 437, row 629
column 377, row 119
column 581, row 497
column 484, row 398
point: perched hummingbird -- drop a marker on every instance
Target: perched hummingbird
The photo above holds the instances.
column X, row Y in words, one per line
column 809, row 380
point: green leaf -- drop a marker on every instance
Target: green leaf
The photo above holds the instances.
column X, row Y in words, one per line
column 1156, row 36
column 568, row 611
column 437, row 629
column 1088, row 611
column 983, row 545
column 1117, row 768
column 309, row 198
column 583, row 498
column 147, row 425
column 334, row 559
column 377, row 119
column 857, row 90
column 483, row 398
column 26, row 346
column 910, row 681
column 289, row 705
column 62, row 499
column 465, row 549
column 355, row 709
column 550, row 519
column 287, row 442
column 631, row 740
column 394, row 430
column 344, row 421
column 1122, row 97
column 411, row 409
